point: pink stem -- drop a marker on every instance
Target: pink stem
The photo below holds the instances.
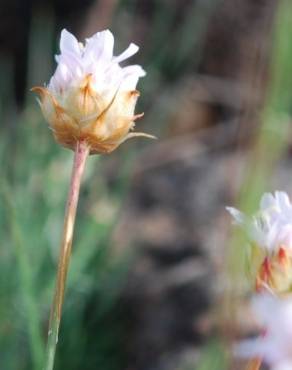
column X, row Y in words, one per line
column 81, row 153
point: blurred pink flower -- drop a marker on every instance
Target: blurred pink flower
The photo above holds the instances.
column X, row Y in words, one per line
column 271, row 227
column 274, row 346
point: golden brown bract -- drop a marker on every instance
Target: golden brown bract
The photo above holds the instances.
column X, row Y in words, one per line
column 81, row 114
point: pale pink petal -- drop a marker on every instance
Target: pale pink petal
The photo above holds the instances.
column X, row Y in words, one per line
column 238, row 216
column 272, row 238
column 130, row 51
column 108, row 44
column 285, row 236
column 95, row 58
column 274, row 344
column 100, row 46
column 283, row 200
column 69, row 43
column 283, row 365
column 131, row 77
column 267, row 201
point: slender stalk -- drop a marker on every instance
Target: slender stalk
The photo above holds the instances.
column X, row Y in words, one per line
column 81, row 153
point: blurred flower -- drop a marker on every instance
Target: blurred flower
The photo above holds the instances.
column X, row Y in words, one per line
column 271, row 227
column 90, row 96
column 274, row 346
column 271, row 231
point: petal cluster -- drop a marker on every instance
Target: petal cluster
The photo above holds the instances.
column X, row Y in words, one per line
column 271, row 227
column 274, row 346
column 91, row 97
column 96, row 59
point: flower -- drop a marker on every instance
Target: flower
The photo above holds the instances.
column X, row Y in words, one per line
column 274, row 346
column 270, row 233
column 271, row 227
column 91, row 97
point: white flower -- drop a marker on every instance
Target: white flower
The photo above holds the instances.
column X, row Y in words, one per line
column 91, row 97
column 274, row 346
column 271, row 227
column 95, row 58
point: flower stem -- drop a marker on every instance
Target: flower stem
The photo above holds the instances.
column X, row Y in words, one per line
column 81, row 153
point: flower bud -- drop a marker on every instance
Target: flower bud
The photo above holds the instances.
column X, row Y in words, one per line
column 90, row 96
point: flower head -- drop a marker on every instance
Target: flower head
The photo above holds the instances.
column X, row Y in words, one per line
column 271, row 227
column 270, row 233
column 274, row 346
column 91, row 97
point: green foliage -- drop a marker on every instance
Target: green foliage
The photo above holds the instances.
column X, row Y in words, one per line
column 213, row 357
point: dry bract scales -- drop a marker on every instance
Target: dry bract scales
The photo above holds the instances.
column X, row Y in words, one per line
column 91, row 97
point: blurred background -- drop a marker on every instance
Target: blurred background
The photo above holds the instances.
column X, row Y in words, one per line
column 156, row 271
